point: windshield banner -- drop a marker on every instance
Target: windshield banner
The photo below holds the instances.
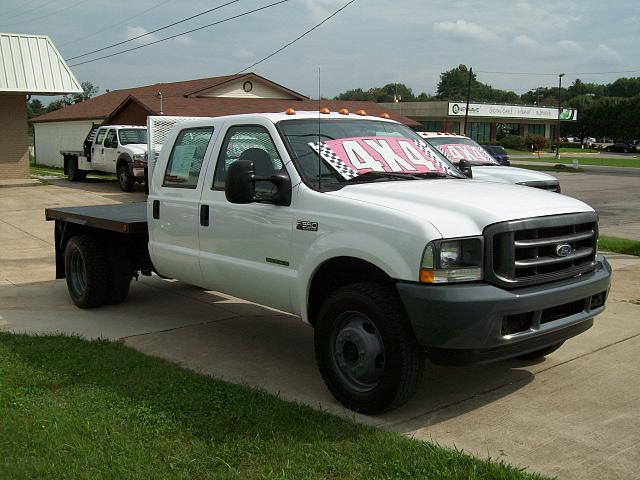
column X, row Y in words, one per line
column 354, row 156
column 457, row 151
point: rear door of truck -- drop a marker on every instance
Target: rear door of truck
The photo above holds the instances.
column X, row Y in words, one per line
column 97, row 150
column 174, row 203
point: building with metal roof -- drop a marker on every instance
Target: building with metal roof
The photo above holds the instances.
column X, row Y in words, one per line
column 29, row 65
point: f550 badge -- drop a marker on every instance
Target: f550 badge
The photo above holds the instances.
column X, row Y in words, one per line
column 307, row 225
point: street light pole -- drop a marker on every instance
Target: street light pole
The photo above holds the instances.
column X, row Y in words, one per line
column 559, row 110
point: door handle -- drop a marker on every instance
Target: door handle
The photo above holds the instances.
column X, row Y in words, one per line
column 156, row 209
column 204, row 215
column 103, row 151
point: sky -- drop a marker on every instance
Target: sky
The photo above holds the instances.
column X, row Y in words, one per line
column 370, row 43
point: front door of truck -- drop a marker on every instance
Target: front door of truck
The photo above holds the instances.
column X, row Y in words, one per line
column 245, row 250
column 173, row 207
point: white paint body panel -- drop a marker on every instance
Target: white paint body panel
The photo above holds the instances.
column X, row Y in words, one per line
column 385, row 223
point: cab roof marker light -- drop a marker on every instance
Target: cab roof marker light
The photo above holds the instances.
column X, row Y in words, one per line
column 385, row 115
column 290, row 111
column 361, row 112
column 325, row 111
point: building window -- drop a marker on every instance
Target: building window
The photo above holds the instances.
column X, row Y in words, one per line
column 432, row 126
column 479, row 131
column 552, row 133
column 504, row 129
column 535, row 129
column 455, row 127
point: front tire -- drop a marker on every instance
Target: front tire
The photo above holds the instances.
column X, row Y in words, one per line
column 125, row 178
column 366, row 351
column 86, row 271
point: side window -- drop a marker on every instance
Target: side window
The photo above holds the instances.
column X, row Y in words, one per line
column 101, row 133
column 111, row 140
column 249, row 143
column 185, row 163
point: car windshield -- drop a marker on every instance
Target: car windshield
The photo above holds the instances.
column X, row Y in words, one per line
column 458, row 148
column 497, row 149
column 331, row 153
column 132, row 135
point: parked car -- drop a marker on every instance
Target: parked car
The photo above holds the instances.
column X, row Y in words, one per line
column 499, row 153
column 621, row 147
column 484, row 166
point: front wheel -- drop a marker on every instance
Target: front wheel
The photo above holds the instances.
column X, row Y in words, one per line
column 366, row 350
column 125, row 178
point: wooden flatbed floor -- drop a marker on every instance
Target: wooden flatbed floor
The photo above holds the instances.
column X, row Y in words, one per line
column 121, row 217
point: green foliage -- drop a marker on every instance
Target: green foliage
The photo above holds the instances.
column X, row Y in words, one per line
column 389, row 93
column 512, row 141
column 34, row 108
column 89, row 90
column 454, row 84
column 77, row 409
column 619, row 245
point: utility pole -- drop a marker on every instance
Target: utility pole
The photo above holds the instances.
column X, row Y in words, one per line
column 559, row 110
column 466, row 110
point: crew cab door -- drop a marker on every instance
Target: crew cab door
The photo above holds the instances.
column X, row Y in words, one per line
column 173, row 205
column 245, row 250
column 97, row 149
column 110, row 151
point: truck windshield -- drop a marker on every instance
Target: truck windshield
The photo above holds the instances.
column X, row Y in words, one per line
column 132, row 135
column 456, row 149
column 331, row 153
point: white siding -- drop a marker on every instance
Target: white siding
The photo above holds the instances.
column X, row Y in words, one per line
column 260, row 90
column 51, row 137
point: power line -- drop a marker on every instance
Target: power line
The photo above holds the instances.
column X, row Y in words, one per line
column 183, row 33
column 152, row 31
column 558, row 73
column 297, row 38
column 129, row 18
column 42, row 17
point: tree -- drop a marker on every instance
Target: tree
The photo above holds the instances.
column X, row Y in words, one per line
column 454, row 83
column 89, row 90
column 34, row 108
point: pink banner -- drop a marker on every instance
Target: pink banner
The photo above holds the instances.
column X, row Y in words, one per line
column 357, row 155
column 458, row 151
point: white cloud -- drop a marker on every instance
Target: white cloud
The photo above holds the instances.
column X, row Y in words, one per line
column 606, row 54
column 525, row 42
column 134, row 32
column 185, row 40
column 243, row 53
column 570, row 46
column 465, row 30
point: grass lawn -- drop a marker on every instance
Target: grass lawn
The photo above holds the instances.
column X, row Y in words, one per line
column 77, row 409
column 607, row 161
column 45, row 171
column 577, row 150
column 619, row 245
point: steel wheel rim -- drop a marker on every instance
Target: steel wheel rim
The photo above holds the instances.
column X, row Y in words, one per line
column 357, row 352
column 78, row 273
column 123, row 176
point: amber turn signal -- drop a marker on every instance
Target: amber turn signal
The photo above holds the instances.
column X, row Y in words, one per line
column 427, row 276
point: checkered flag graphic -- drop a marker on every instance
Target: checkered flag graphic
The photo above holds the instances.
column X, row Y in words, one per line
column 332, row 159
column 425, row 148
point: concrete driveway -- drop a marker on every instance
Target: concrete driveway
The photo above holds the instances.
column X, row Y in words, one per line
column 575, row 414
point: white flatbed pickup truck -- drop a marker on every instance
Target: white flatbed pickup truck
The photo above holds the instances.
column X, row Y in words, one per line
column 363, row 230
column 119, row 149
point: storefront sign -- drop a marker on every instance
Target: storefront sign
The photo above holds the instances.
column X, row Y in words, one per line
column 457, row 109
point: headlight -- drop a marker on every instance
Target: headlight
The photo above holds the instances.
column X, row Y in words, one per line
column 452, row 260
column 139, row 156
column 139, row 160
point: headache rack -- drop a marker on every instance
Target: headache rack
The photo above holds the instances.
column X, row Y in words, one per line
column 538, row 250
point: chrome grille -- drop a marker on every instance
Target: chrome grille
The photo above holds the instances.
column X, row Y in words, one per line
column 537, row 250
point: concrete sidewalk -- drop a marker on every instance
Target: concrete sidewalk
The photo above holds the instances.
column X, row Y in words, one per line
column 575, row 414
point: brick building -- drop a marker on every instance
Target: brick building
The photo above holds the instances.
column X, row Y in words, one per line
column 29, row 65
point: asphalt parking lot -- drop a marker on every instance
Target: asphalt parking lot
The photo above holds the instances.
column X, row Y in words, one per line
column 575, row 414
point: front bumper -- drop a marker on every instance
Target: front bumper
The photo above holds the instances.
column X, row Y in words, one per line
column 479, row 323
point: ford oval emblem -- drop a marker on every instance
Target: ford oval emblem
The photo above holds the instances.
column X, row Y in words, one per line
column 563, row 249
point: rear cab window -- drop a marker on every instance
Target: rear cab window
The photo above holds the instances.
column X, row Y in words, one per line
column 187, row 155
column 100, row 137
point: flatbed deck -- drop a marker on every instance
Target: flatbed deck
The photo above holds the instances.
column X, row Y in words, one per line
column 128, row 218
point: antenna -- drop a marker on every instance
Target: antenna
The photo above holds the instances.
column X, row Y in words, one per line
column 319, row 161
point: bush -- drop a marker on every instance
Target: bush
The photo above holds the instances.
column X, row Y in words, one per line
column 512, row 141
column 537, row 142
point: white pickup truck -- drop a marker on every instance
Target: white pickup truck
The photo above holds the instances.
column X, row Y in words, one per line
column 119, row 149
column 360, row 228
column 482, row 166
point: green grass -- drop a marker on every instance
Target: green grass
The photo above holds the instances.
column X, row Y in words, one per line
column 77, row 409
column 577, row 150
column 45, row 171
column 619, row 245
column 606, row 161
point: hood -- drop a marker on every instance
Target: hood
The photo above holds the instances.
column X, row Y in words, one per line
column 136, row 148
column 503, row 174
column 458, row 208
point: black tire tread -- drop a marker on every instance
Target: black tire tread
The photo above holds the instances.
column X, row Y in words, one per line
column 412, row 355
column 96, row 269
